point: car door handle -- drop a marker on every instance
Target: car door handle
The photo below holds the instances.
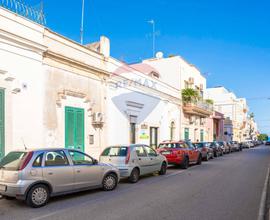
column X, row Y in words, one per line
column 50, row 173
column 140, row 158
column 78, row 171
column 151, row 158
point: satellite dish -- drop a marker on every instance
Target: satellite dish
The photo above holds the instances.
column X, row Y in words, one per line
column 159, row 55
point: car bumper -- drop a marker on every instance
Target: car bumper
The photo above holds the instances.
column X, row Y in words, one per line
column 16, row 190
column 175, row 161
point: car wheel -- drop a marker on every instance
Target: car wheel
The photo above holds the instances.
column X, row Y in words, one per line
column 185, row 164
column 163, row 169
column 199, row 161
column 134, row 176
column 109, row 182
column 38, row 196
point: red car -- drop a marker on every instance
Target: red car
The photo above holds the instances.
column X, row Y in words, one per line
column 181, row 153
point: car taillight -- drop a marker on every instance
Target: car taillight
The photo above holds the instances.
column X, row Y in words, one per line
column 128, row 156
column 26, row 160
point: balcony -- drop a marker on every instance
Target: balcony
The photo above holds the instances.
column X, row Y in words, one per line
column 199, row 108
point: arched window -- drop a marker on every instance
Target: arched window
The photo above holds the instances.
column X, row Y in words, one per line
column 172, row 130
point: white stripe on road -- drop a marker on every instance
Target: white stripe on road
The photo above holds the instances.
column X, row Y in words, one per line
column 261, row 214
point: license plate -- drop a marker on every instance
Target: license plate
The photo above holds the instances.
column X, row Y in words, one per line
column 3, row 188
column 166, row 152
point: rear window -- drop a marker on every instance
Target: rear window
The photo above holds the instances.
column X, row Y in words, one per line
column 173, row 145
column 115, row 152
column 13, row 160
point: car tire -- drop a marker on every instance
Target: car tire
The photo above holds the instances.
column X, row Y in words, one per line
column 109, row 182
column 185, row 164
column 38, row 196
column 199, row 161
column 134, row 176
column 163, row 169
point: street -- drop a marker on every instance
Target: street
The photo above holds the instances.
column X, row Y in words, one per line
column 228, row 187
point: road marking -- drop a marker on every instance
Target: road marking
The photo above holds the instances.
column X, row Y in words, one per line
column 263, row 197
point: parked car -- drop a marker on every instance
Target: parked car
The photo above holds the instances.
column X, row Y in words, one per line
column 226, row 148
column 235, row 146
column 205, row 149
column 267, row 142
column 216, row 149
column 36, row 175
column 134, row 160
column 181, row 153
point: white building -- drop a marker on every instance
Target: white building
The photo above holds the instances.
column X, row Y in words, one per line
column 58, row 93
column 180, row 74
column 234, row 109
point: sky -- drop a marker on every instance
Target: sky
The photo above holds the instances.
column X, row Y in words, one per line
column 229, row 40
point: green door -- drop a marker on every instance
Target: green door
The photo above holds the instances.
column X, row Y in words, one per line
column 74, row 128
column 2, row 123
column 186, row 134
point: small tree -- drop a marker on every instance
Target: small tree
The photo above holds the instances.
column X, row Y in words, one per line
column 190, row 95
column 263, row 137
column 209, row 101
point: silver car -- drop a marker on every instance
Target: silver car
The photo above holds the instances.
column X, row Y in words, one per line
column 36, row 175
column 134, row 160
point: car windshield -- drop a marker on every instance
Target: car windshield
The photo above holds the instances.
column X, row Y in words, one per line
column 12, row 161
column 115, row 151
column 172, row 145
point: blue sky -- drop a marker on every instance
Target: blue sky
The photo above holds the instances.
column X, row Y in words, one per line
column 229, row 40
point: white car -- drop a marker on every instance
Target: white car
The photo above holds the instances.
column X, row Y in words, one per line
column 134, row 160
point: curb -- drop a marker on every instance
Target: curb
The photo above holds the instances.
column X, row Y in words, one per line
column 262, row 210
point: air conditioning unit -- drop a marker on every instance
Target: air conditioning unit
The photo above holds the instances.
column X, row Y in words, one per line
column 97, row 118
column 191, row 80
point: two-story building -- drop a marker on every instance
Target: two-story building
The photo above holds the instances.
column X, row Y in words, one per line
column 180, row 74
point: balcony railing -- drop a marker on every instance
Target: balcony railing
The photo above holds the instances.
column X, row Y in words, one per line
column 20, row 8
column 200, row 108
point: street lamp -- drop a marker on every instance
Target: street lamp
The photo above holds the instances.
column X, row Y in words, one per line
column 154, row 36
column 82, row 22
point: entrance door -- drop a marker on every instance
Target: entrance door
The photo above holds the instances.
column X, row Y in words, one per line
column 2, row 123
column 153, row 137
column 74, row 128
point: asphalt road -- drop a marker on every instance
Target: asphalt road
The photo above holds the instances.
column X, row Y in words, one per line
column 228, row 187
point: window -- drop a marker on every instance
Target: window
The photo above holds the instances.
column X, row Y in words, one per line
column 38, row 161
column 150, row 152
column 172, row 130
column 13, row 160
column 56, row 158
column 141, row 152
column 115, row 152
column 79, row 158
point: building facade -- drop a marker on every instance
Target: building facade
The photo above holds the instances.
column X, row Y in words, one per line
column 180, row 74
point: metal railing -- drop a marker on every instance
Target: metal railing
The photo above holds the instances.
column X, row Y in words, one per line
column 202, row 104
column 20, row 8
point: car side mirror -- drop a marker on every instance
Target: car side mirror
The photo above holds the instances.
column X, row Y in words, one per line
column 95, row 161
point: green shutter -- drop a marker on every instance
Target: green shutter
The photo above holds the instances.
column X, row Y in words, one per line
column 186, row 134
column 74, row 128
column 2, row 123
column 79, row 129
column 202, row 135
